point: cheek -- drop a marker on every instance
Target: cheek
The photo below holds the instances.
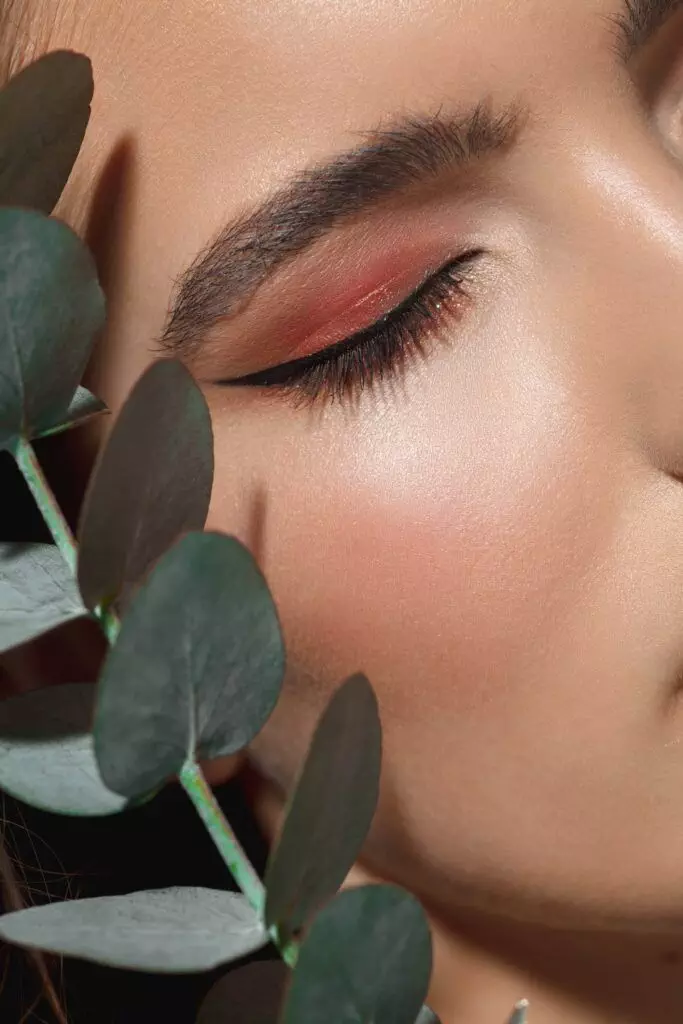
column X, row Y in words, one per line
column 425, row 537
column 488, row 550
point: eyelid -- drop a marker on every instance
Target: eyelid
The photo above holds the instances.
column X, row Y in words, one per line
column 357, row 338
column 369, row 309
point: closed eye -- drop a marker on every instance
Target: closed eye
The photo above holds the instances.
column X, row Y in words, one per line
column 346, row 368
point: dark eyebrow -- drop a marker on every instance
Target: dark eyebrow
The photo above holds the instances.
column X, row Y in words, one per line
column 410, row 150
column 638, row 23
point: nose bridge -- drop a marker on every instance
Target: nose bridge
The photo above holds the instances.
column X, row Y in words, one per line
column 627, row 224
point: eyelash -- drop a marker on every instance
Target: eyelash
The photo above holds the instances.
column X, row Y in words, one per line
column 343, row 370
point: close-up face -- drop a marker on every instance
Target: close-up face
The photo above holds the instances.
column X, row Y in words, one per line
column 476, row 496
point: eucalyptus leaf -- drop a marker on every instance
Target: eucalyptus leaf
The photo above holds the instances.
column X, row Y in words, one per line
column 44, row 111
column 37, row 592
column 331, row 809
column 51, row 307
column 366, row 959
column 246, row 995
column 46, row 752
column 196, row 669
column 152, row 482
column 84, row 406
column 178, row 930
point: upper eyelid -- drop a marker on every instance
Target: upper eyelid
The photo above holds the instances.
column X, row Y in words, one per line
column 358, row 337
column 366, row 334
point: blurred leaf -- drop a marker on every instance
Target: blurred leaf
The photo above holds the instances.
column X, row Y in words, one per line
column 37, row 592
column 520, row 1012
column 366, row 959
column 84, row 407
column 46, row 752
column 51, row 307
column 331, row 809
column 44, row 111
column 173, row 931
column 152, row 482
column 246, row 995
column 197, row 667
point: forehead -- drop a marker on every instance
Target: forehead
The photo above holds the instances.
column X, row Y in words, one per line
column 286, row 61
column 296, row 78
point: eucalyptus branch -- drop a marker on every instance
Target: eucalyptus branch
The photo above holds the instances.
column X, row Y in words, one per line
column 195, row 785
column 191, row 777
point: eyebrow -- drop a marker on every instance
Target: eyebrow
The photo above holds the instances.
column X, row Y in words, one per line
column 638, row 23
column 410, row 150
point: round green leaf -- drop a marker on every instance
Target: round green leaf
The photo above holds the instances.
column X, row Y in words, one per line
column 331, row 809
column 51, row 307
column 46, row 752
column 84, row 406
column 44, row 111
column 174, row 931
column 367, row 959
column 196, row 669
column 152, row 482
column 247, row 995
column 37, row 592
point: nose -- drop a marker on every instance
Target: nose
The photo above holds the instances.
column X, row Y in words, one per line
column 622, row 230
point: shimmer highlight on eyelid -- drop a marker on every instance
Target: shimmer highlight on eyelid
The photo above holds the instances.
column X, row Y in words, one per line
column 339, row 313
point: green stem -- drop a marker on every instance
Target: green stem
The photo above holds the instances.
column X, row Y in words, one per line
column 199, row 792
column 45, row 500
column 109, row 621
column 33, row 474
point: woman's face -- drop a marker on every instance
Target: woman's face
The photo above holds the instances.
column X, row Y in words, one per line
column 493, row 533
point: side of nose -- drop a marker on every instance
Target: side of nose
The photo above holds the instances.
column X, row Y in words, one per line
column 622, row 248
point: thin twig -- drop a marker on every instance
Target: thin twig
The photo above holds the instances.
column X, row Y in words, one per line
column 195, row 785
column 32, row 473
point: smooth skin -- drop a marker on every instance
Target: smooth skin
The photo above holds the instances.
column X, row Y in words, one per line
column 496, row 540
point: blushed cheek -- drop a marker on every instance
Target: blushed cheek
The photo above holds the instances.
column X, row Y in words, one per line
column 428, row 544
